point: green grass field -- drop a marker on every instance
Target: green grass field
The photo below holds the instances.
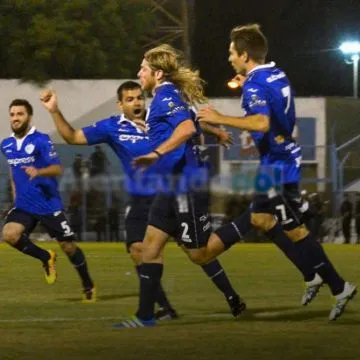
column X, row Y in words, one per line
column 40, row 321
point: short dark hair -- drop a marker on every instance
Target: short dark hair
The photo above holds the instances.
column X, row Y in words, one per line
column 127, row 85
column 22, row 102
column 249, row 38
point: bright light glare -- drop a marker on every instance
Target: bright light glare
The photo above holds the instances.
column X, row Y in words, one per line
column 350, row 47
column 232, row 84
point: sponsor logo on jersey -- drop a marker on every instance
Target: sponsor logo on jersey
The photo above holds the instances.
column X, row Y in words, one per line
column 132, row 138
column 175, row 109
column 18, row 161
column 256, row 101
column 272, row 78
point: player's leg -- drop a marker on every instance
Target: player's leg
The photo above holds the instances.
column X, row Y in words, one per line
column 312, row 251
column 136, row 217
column 58, row 227
column 156, row 235
column 18, row 226
column 195, row 230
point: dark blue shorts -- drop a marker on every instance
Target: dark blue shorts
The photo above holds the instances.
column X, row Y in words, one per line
column 136, row 218
column 184, row 217
column 56, row 224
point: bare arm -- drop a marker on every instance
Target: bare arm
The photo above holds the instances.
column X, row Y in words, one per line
column 180, row 135
column 49, row 171
column 68, row 133
column 256, row 122
column 12, row 185
column 223, row 137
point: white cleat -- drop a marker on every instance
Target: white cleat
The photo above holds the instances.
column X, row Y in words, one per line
column 341, row 301
column 311, row 290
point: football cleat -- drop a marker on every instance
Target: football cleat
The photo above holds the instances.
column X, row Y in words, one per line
column 341, row 301
column 237, row 304
column 166, row 314
column 49, row 268
column 311, row 290
column 89, row 295
column 135, row 322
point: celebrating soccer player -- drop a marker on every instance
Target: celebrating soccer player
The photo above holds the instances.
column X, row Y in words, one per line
column 126, row 135
column 268, row 102
column 34, row 166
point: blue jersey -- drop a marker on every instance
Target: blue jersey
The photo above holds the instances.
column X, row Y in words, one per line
column 168, row 109
column 40, row 195
column 128, row 142
column 267, row 91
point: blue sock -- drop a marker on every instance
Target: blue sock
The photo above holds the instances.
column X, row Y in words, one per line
column 29, row 248
column 217, row 274
column 150, row 276
column 279, row 238
column 79, row 262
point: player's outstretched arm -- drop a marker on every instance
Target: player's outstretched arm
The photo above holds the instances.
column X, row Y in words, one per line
column 49, row 171
column 223, row 137
column 257, row 122
column 12, row 185
column 69, row 134
column 182, row 133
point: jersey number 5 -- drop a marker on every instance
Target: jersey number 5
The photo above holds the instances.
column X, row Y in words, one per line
column 286, row 92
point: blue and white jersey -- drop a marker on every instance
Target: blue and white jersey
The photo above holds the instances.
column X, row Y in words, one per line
column 168, row 110
column 267, row 91
column 40, row 195
column 127, row 141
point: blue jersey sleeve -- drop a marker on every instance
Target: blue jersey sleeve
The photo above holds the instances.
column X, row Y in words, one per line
column 174, row 109
column 255, row 100
column 48, row 152
column 96, row 133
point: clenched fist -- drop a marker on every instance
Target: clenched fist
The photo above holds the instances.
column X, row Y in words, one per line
column 49, row 100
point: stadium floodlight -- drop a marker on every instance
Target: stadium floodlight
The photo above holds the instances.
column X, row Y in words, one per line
column 232, row 84
column 351, row 49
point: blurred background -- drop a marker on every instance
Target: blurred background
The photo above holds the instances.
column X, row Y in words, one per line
column 84, row 49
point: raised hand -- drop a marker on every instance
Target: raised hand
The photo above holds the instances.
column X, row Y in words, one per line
column 49, row 100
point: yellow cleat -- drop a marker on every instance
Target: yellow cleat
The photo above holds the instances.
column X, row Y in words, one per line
column 49, row 268
column 89, row 295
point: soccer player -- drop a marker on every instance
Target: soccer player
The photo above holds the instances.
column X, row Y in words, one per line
column 126, row 135
column 173, row 133
column 34, row 166
column 268, row 102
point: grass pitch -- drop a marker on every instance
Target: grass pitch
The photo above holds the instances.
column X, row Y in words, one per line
column 40, row 321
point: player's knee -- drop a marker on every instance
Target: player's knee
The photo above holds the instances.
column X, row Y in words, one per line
column 153, row 245
column 10, row 234
column 199, row 256
column 263, row 221
column 135, row 251
column 297, row 234
column 68, row 247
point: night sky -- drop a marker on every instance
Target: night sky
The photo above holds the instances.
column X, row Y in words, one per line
column 303, row 40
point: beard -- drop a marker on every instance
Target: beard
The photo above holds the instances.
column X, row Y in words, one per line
column 20, row 129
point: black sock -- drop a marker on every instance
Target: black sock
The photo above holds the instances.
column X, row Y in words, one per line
column 316, row 257
column 161, row 297
column 217, row 274
column 279, row 238
column 235, row 230
column 79, row 262
column 29, row 248
column 150, row 276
